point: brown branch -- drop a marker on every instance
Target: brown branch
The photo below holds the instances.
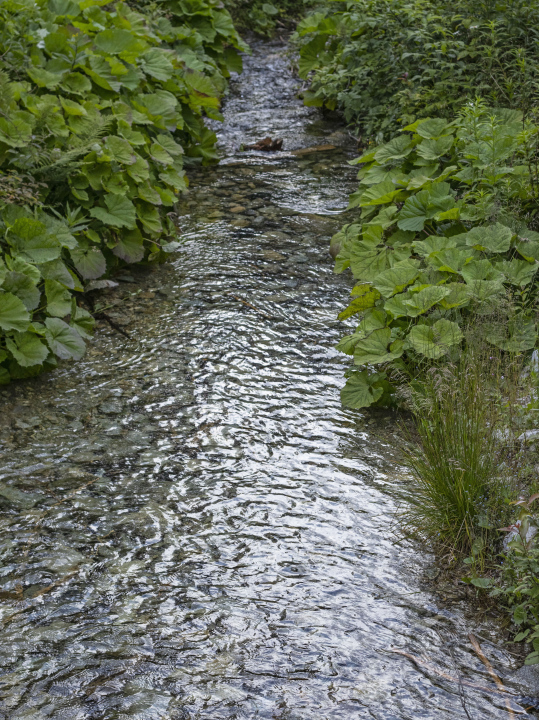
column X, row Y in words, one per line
column 486, row 662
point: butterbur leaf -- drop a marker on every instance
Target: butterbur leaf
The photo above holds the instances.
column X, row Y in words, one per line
column 374, row 349
column 359, row 391
column 23, row 287
column 13, row 314
column 365, row 301
column 27, row 349
column 130, row 247
column 395, row 279
column 58, row 299
column 397, row 148
column 433, row 128
column 433, row 341
column 423, row 300
column 156, row 64
column 517, row 272
column 120, row 150
column 379, row 194
column 63, row 340
column 494, row 238
column 517, row 336
column 434, row 149
column 115, row 41
column 120, row 212
column 82, row 321
column 458, row 296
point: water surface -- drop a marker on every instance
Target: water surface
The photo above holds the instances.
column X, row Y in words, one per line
column 192, row 527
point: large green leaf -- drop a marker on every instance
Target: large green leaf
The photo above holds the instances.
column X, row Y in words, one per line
column 365, row 301
column 480, row 270
column 155, row 62
column 433, row 243
column 13, row 314
column 120, row 212
column 518, row 272
column 434, row 149
column 63, row 340
column 374, row 350
column 23, row 287
column 517, row 336
column 433, row 341
column 494, row 238
column 82, row 321
column 115, row 41
column 120, row 150
column 58, row 298
column 379, row 194
column 130, row 247
column 397, row 148
column 27, row 349
column 424, row 205
column 395, row 279
column 359, row 391
column 89, row 261
column 452, row 260
column 459, row 296
column 433, row 128
column 420, row 302
column 15, row 132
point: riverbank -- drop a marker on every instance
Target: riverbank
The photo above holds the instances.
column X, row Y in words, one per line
column 192, row 524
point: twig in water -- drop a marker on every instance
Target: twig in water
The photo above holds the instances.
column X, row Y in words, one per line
column 421, row 663
column 249, row 305
column 486, row 662
column 114, row 325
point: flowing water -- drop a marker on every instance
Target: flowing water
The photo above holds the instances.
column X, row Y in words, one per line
column 191, row 525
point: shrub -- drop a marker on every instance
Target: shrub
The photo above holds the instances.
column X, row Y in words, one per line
column 263, row 17
column 385, row 63
column 99, row 106
column 441, row 238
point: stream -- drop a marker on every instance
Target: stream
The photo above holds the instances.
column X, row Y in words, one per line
column 192, row 527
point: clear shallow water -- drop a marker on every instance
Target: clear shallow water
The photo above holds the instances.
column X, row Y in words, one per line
column 191, row 525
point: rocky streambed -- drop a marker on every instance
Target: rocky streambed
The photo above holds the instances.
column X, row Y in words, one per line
column 191, row 524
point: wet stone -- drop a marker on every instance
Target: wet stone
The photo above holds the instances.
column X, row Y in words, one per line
column 111, row 407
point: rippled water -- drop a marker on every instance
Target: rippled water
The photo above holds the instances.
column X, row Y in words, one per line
column 191, row 525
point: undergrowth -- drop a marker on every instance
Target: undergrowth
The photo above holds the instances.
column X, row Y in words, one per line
column 101, row 107
column 384, row 63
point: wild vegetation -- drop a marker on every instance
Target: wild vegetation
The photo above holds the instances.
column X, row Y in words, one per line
column 266, row 17
column 101, row 106
column 384, row 63
column 445, row 258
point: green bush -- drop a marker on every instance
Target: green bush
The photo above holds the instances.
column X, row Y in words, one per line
column 100, row 107
column 385, row 63
column 263, row 16
column 441, row 238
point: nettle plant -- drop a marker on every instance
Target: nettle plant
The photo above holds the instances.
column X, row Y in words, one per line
column 99, row 107
column 441, row 238
column 384, row 63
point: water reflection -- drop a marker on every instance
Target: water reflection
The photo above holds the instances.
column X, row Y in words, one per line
column 192, row 526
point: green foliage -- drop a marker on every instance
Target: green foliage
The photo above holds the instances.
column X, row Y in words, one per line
column 436, row 243
column 455, row 487
column 518, row 583
column 386, row 62
column 101, row 106
column 265, row 16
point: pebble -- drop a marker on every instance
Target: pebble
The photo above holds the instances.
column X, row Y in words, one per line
column 237, row 209
column 111, row 407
